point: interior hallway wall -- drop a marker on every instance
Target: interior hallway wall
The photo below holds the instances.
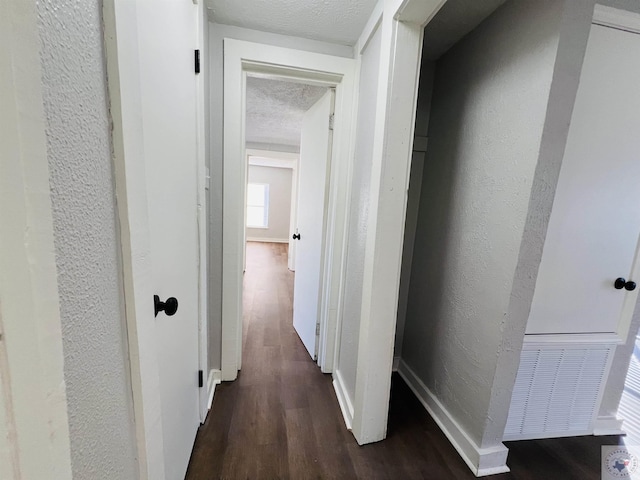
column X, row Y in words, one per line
column 78, row 129
column 488, row 113
column 280, row 183
column 217, row 33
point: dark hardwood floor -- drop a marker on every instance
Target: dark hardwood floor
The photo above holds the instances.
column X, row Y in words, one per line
column 280, row 419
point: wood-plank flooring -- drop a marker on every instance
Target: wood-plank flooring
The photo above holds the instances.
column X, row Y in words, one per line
column 280, row 419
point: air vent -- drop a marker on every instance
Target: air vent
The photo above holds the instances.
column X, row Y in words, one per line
column 557, row 391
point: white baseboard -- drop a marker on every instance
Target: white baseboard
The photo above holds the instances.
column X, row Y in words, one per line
column 346, row 406
column 396, row 364
column 481, row 461
column 215, row 377
column 267, row 240
column 608, row 425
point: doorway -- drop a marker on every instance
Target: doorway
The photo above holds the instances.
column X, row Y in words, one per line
column 289, row 121
column 244, row 60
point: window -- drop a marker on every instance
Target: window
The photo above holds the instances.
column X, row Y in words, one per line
column 258, row 205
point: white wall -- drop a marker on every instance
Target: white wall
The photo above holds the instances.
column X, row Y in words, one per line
column 86, row 239
column 487, row 118
column 217, row 33
column 280, row 182
column 358, row 217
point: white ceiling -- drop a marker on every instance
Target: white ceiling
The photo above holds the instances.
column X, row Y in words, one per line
column 275, row 109
column 334, row 21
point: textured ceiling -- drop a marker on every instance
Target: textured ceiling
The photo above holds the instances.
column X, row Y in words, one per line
column 455, row 19
column 275, row 109
column 335, row 21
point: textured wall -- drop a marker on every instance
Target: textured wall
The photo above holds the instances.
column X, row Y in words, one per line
column 84, row 218
column 488, row 112
column 217, row 33
column 279, row 180
column 358, row 215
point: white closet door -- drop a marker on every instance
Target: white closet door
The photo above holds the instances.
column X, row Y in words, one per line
column 595, row 222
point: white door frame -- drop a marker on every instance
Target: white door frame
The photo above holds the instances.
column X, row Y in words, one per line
column 402, row 27
column 121, row 43
column 34, row 426
column 325, row 70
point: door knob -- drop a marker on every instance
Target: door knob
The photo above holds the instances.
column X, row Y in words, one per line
column 170, row 307
column 621, row 283
column 296, row 236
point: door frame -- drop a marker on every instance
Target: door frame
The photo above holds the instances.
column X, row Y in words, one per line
column 123, row 70
column 402, row 28
column 241, row 58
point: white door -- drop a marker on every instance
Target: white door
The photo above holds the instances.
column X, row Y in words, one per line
column 167, row 38
column 595, row 222
column 315, row 150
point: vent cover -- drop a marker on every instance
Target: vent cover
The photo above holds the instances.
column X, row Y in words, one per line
column 557, row 391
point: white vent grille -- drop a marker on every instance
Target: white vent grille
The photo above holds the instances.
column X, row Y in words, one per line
column 557, row 391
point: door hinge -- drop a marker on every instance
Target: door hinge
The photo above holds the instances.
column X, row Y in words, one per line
column 200, row 379
column 331, row 120
column 196, row 59
column 317, row 329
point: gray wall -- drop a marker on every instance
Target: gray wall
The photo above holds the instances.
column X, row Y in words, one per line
column 358, row 216
column 86, row 240
column 279, row 181
column 423, row 111
column 217, row 33
column 489, row 106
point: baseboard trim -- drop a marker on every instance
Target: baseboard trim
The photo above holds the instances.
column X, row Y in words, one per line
column 481, row 461
column 215, row 378
column 608, row 425
column 343, row 399
column 267, row 240
column 396, row 364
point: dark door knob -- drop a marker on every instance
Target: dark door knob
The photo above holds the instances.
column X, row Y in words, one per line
column 296, row 236
column 621, row 283
column 170, row 307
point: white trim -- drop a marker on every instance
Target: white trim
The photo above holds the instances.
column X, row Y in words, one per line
column 34, row 426
column 346, row 406
column 121, row 43
column 608, row 425
column 200, row 79
column 420, row 12
column 239, row 58
column 400, row 57
column 267, row 240
column 370, row 28
column 215, row 378
column 256, row 161
column 274, row 155
column 481, row 461
column 616, row 18
column 572, row 338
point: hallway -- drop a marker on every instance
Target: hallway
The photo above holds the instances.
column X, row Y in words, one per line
column 280, row 419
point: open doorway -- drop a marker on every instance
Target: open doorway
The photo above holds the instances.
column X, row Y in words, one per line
column 287, row 143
